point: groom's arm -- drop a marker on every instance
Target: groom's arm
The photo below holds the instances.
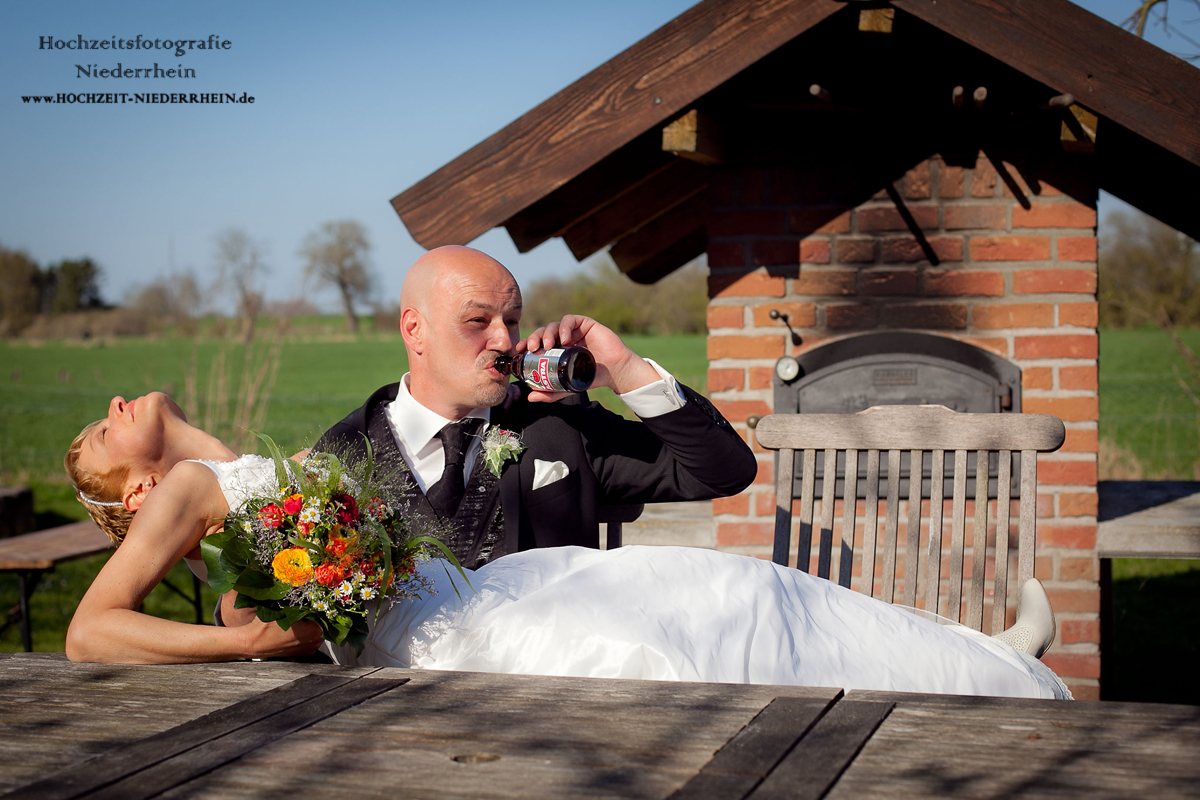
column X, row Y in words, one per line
column 689, row 452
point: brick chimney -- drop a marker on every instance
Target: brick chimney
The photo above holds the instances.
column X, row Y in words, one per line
column 997, row 252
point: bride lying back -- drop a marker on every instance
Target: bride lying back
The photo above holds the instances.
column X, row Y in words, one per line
column 157, row 486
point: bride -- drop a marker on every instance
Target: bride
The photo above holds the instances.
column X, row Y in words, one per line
column 157, row 486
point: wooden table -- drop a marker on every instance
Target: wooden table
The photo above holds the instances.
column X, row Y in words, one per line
column 297, row 731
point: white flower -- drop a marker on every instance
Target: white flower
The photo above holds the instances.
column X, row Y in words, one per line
column 368, row 593
column 500, row 447
column 311, row 511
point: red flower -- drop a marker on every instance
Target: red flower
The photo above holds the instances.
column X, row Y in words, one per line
column 367, row 567
column 293, row 504
column 336, row 546
column 347, row 509
column 329, row 573
column 271, row 516
column 305, row 527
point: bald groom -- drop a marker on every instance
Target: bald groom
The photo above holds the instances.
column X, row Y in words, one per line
column 460, row 309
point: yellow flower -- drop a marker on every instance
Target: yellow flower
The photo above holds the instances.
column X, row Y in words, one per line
column 293, row 566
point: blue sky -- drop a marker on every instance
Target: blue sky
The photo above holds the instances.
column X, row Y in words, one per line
column 353, row 103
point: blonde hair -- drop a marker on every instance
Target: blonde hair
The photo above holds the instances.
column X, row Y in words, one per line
column 100, row 494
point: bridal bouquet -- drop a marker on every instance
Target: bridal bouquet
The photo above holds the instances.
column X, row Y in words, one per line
column 322, row 546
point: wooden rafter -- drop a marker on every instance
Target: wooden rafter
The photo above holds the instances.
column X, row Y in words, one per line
column 1109, row 71
column 631, row 93
column 648, row 244
column 633, row 209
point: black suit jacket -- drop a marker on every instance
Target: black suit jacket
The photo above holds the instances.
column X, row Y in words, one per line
column 691, row 453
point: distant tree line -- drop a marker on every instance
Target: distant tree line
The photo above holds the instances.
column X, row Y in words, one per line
column 676, row 304
column 28, row 290
column 1147, row 269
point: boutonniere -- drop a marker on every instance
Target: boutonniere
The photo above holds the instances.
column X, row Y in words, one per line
column 499, row 448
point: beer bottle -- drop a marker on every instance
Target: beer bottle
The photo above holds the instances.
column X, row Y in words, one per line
column 560, row 369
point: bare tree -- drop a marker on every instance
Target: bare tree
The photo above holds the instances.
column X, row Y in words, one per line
column 1136, row 23
column 1147, row 269
column 337, row 256
column 240, row 265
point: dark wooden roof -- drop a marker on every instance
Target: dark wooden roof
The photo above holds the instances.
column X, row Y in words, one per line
column 569, row 167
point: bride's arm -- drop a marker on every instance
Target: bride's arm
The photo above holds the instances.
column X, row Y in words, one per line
column 107, row 626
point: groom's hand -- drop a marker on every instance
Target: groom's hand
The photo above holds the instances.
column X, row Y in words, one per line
column 617, row 367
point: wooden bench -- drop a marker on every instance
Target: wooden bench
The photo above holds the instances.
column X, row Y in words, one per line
column 1141, row 519
column 32, row 554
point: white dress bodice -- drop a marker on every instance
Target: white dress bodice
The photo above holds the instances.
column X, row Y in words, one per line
column 672, row 613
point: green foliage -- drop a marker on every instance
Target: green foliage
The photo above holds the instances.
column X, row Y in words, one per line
column 1147, row 268
column 26, row 290
column 676, row 304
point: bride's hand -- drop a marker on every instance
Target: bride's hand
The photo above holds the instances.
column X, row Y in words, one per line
column 268, row 640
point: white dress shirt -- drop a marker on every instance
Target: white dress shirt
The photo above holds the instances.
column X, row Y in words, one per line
column 415, row 427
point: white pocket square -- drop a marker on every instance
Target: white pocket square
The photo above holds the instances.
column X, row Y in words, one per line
column 547, row 472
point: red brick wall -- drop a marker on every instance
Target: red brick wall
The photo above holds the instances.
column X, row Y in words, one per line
column 1016, row 275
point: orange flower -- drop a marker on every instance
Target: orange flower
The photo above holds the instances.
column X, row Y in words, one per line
column 328, row 574
column 293, row 566
column 336, row 546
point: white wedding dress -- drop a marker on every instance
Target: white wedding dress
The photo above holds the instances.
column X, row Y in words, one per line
column 673, row 613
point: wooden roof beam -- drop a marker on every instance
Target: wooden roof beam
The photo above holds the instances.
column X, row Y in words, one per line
column 696, row 137
column 1073, row 51
column 636, row 207
column 597, row 187
column 664, row 244
column 634, row 92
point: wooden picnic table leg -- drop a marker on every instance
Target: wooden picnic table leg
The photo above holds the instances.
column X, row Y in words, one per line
column 27, row 581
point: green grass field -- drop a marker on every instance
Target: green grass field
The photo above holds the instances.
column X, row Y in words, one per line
column 49, row 391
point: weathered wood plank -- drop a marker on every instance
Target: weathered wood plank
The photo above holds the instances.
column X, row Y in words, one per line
column 912, row 547
column 807, row 487
column 825, row 545
column 870, row 525
column 933, row 562
column 1025, row 535
column 1167, row 530
column 1003, row 511
column 891, row 523
column 958, row 513
column 819, row 759
column 211, row 755
column 785, row 466
column 554, row 737
column 750, row 756
column 55, row 714
column 905, row 427
column 979, row 543
column 48, row 548
column 849, row 512
column 112, row 767
column 970, row 747
column 1074, row 51
column 635, row 91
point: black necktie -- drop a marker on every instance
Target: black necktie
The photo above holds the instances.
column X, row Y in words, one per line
column 447, row 493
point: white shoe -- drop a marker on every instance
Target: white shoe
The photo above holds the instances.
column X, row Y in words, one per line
column 1033, row 632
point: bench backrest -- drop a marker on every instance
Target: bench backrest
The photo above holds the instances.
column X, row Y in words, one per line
column 891, row 431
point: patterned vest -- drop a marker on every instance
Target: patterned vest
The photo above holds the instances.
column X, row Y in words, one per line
column 476, row 533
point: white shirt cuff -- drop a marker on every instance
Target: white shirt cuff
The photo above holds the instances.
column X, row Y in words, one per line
column 655, row 399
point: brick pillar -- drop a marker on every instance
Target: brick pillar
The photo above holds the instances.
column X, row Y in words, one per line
column 1016, row 274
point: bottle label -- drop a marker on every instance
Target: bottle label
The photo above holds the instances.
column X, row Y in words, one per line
column 544, row 374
